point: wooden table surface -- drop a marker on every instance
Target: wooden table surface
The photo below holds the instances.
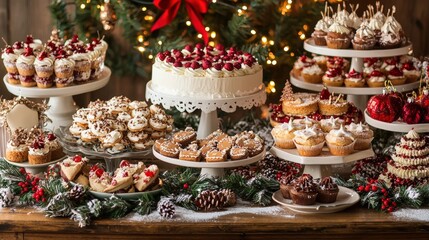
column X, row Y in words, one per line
column 352, row 223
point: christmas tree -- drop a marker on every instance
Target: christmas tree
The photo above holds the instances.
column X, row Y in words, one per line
column 272, row 30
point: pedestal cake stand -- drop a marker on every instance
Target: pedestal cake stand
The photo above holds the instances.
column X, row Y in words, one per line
column 61, row 104
column 209, row 121
column 358, row 96
column 319, row 166
column 213, row 169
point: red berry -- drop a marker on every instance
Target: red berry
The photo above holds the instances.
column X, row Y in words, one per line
column 394, row 204
column 374, row 188
column 367, row 188
column 383, row 207
column 178, row 64
column 185, row 186
column 189, row 48
column 161, row 56
column 170, row 60
column 28, row 51
column 124, row 163
column 199, row 46
column 22, row 170
column 77, row 158
column 383, row 190
column 228, row 66
column 218, row 66
column 360, row 188
column 99, row 172
column 207, row 64
column 29, row 39
column 195, row 65
column 237, row 65
column 324, row 94
column 390, row 209
column 51, row 137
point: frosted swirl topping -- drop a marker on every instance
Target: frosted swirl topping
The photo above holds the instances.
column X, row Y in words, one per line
column 81, row 56
column 359, row 128
column 338, row 28
column 10, row 57
column 355, row 20
column 26, row 59
column 365, row 31
column 321, row 26
column 412, row 135
column 308, row 132
column 334, row 122
column 288, row 127
column 328, row 184
column 340, row 133
column 375, row 24
column 389, row 28
column 395, row 24
column 47, row 61
column 313, row 69
column 64, row 62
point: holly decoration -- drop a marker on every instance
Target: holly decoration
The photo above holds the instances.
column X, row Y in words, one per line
column 382, row 107
column 412, row 112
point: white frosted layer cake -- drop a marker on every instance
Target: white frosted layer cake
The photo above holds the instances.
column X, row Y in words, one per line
column 206, row 72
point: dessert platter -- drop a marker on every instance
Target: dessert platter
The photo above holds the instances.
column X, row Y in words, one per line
column 129, row 181
column 375, row 36
column 115, row 129
column 308, row 196
column 213, row 153
column 316, row 131
column 56, row 70
column 206, row 78
column 399, row 115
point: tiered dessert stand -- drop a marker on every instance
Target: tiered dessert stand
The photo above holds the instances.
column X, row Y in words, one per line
column 209, row 121
column 358, row 96
column 396, row 126
column 61, row 104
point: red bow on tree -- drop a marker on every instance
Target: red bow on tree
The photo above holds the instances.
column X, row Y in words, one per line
column 194, row 7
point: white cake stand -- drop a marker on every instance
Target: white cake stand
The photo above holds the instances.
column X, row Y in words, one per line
column 212, row 169
column 61, row 103
column 319, row 166
column 209, row 121
column 396, row 126
column 354, row 95
column 34, row 169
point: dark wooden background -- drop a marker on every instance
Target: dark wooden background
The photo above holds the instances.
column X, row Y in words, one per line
column 21, row 17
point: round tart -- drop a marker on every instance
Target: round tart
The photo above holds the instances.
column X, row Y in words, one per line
column 300, row 104
column 376, row 79
column 334, row 106
column 396, row 76
column 354, row 79
column 333, row 77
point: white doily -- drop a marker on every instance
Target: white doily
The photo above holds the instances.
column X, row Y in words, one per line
column 206, row 105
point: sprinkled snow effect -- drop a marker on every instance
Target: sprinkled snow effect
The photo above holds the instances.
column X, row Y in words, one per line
column 183, row 214
column 412, row 193
column 413, row 214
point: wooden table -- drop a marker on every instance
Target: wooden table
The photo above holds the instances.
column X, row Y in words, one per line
column 353, row 223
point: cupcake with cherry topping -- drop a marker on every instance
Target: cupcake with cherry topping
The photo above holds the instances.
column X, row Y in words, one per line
column 333, row 77
column 388, row 64
column 44, row 66
column 371, row 64
column 309, row 141
column 364, row 39
column 25, row 65
column 338, row 36
column 320, row 32
column 54, row 146
column 16, row 148
column 304, row 192
column 82, row 67
column 9, row 60
column 363, row 135
column 410, row 72
column 338, row 62
column 376, row 79
column 396, row 76
column 340, row 142
column 38, row 152
column 312, row 74
column 299, row 65
column 354, row 79
column 35, row 44
column 321, row 61
column 286, row 184
column 327, row 191
column 63, row 69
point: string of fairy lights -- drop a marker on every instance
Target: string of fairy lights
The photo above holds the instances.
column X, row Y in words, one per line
column 285, row 8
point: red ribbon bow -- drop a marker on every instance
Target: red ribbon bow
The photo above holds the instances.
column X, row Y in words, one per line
column 194, row 7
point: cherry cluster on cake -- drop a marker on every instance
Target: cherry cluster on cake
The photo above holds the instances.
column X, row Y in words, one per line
column 391, row 106
column 57, row 62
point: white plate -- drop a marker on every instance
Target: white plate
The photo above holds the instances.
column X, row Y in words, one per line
column 35, row 92
column 346, row 198
column 225, row 164
column 28, row 165
column 325, row 158
column 396, row 126
column 299, row 82
column 310, row 46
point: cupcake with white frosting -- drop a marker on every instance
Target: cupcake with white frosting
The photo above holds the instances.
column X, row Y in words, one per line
column 38, row 152
column 309, row 141
column 63, row 68
column 312, row 74
column 338, row 36
column 364, row 39
column 9, row 60
column 390, row 36
column 340, row 142
column 25, row 66
column 331, row 123
column 320, row 32
column 44, row 66
column 363, row 134
column 82, row 67
column 283, row 135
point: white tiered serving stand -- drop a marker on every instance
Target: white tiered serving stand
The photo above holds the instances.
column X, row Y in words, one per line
column 319, row 166
column 61, row 103
column 396, row 126
column 209, row 121
column 358, row 96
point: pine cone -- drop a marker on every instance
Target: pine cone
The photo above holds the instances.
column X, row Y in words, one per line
column 231, row 197
column 166, row 208
column 6, row 197
column 211, row 200
column 95, row 207
column 77, row 192
column 269, row 173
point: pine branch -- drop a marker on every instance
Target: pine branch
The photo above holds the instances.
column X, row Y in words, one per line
column 146, row 204
column 115, row 207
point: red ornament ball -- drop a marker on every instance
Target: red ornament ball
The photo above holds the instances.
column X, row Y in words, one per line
column 382, row 107
column 412, row 112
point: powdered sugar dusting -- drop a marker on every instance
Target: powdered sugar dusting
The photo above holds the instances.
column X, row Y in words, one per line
column 413, row 214
column 183, row 214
